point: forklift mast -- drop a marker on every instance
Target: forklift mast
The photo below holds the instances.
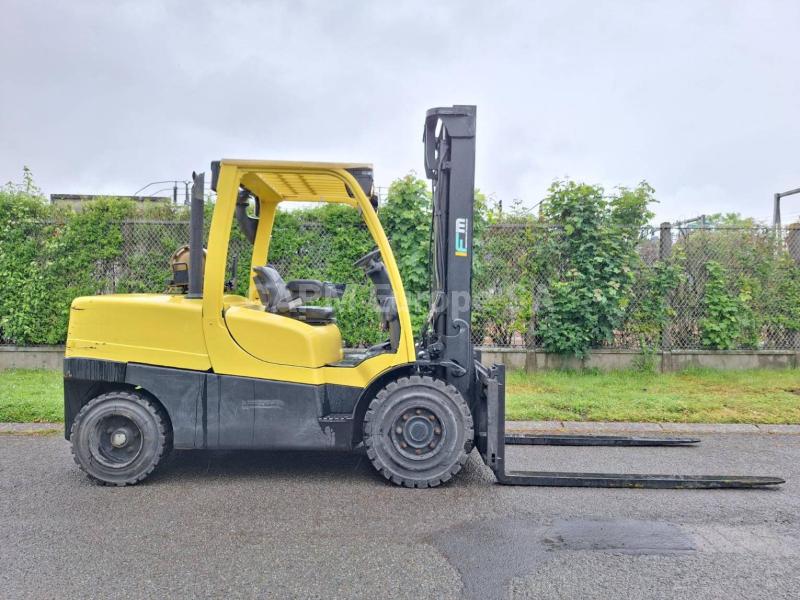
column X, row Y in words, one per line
column 449, row 139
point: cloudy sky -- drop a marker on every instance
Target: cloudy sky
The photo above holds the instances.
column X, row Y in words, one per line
column 699, row 98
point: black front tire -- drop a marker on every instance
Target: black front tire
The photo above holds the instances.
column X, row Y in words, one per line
column 418, row 432
column 119, row 438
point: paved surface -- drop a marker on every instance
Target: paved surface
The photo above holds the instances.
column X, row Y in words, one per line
column 236, row 524
column 550, row 426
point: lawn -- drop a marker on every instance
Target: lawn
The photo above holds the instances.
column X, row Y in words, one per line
column 697, row 396
column 693, row 396
column 27, row 396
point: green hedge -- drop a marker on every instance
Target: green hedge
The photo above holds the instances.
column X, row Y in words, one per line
column 50, row 255
column 583, row 273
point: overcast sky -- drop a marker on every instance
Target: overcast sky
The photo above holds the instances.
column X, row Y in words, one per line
column 701, row 99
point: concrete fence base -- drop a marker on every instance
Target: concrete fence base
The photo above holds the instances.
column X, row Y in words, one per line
column 614, row 360
column 52, row 357
column 31, row 357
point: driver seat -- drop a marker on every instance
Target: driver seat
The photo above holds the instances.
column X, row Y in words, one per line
column 277, row 298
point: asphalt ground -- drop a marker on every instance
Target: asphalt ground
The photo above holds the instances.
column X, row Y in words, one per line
column 313, row 525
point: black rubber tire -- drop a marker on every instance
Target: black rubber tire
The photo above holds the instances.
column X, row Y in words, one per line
column 411, row 397
column 154, row 439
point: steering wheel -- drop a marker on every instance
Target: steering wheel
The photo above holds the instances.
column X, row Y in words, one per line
column 365, row 260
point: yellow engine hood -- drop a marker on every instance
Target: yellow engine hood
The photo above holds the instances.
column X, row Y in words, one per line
column 157, row 329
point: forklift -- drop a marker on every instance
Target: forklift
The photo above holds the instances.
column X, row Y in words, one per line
column 200, row 367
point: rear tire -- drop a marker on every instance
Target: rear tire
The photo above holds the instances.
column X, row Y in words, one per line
column 119, row 438
column 418, row 432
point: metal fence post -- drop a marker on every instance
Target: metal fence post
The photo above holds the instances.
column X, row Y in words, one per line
column 776, row 213
column 665, row 241
column 664, row 252
column 530, row 346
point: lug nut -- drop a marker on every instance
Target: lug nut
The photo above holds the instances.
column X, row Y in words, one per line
column 432, row 445
column 431, row 417
column 399, row 430
column 437, row 431
column 403, row 444
column 405, row 417
column 419, row 412
column 418, row 451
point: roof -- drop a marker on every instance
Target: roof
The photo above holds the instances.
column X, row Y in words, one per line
column 302, row 181
column 291, row 164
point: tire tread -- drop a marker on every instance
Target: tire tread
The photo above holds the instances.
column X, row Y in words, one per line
column 164, row 434
column 369, row 423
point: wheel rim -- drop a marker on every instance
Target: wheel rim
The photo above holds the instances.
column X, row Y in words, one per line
column 417, row 458
column 116, row 441
column 417, row 433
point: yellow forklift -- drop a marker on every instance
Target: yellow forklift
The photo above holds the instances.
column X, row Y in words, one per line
column 201, row 368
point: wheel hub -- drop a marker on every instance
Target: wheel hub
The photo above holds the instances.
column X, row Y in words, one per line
column 119, row 438
column 117, row 441
column 417, row 431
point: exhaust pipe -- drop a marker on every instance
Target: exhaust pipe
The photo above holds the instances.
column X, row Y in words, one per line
column 196, row 238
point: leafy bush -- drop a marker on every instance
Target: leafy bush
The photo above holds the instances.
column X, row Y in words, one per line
column 728, row 316
column 780, row 296
column 323, row 243
column 358, row 317
column 655, row 285
column 757, row 274
column 50, row 255
column 406, row 218
column 596, row 253
column 21, row 213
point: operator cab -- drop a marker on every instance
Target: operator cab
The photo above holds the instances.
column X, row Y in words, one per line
column 291, row 322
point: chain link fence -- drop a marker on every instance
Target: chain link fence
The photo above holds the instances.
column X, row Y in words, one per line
column 756, row 272
column 755, row 269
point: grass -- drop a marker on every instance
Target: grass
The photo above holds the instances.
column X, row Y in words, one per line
column 31, row 396
column 702, row 396
column 697, row 396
